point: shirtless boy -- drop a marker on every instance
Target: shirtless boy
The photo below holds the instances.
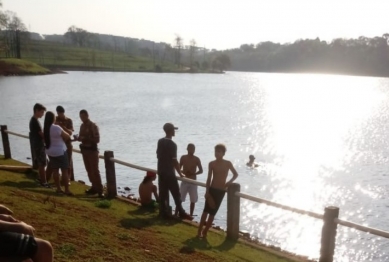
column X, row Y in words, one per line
column 147, row 189
column 215, row 188
column 189, row 164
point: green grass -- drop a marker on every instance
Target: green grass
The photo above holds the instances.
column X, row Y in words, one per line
column 20, row 66
column 53, row 54
column 80, row 231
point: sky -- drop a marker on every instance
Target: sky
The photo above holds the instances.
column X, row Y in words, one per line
column 212, row 23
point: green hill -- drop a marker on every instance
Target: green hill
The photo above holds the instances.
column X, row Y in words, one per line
column 63, row 56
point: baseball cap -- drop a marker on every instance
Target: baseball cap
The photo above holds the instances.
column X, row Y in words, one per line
column 150, row 174
column 169, row 127
column 60, row 109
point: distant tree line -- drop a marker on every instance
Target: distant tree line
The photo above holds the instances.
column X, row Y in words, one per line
column 13, row 33
column 362, row 56
column 189, row 57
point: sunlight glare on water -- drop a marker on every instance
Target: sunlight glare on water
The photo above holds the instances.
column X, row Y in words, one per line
column 308, row 120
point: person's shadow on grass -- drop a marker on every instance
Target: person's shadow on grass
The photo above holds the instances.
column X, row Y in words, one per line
column 197, row 243
column 226, row 245
column 203, row 244
column 145, row 217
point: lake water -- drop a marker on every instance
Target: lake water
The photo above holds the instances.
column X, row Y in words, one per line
column 320, row 139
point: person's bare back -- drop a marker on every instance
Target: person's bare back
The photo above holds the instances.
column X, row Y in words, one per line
column 147, row 189
column 146, row 192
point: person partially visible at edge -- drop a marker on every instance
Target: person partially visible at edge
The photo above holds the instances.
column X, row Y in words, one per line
column 167, row 180
column 147, row 189
column 191, row 167
column 67, row 125
column 37, row 144
column 17, row 241
column 251, row 162
column 56, row 150
column 89, row 136
column 215, row 188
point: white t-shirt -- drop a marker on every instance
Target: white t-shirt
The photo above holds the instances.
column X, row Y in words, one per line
column 57, row 145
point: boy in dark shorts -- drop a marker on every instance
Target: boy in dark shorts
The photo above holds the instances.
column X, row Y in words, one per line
column 215, row 188
column 37, row 144
column 17, row 241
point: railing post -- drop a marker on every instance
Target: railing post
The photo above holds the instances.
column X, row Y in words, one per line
column 233, row 211
column 6, row 146
column 328, row 234
column 110, row 174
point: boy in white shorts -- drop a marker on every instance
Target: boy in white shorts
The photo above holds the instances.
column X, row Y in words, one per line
column 189, row 164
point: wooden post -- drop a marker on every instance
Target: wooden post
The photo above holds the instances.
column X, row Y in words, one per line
column 110, row 174
column 328, row 234
column 233, row 212
column 6, row 146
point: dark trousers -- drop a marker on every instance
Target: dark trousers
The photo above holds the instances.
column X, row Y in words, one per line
column 168, row 183
column 91, row 162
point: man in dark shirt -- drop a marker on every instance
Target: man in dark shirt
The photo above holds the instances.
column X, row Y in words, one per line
column 36, row 141
column 167, row 180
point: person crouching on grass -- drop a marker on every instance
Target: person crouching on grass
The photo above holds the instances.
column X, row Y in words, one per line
column 147, row 189
column 215, row 188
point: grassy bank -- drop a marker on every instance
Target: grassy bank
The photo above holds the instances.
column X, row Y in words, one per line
column 63, row 56
column 55, row 55
column 80, row 229
column 13, row 66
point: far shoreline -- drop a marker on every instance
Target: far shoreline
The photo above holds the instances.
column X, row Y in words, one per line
column 94, row 69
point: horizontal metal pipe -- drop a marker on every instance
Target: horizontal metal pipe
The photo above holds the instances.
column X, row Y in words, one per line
column 16, row 134
column 359, row 227
column 274, row 204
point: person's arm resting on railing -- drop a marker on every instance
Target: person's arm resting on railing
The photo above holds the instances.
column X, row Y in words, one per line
column 199, row 166
column 209, row 179
column 234, row 177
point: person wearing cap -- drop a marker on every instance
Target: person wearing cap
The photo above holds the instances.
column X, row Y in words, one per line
column 37, row 145
column 251, row 162
column 167, row 180
column 89, row 137
column 67, row 125
column 147, row 189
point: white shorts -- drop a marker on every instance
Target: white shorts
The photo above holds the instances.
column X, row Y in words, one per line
column 186, row 188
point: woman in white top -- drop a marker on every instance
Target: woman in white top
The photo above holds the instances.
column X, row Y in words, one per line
column 56, row 150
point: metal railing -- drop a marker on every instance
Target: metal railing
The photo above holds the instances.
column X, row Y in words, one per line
column 330, row 216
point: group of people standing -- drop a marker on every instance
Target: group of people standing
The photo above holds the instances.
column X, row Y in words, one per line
column 55, row 141
column 189, row 166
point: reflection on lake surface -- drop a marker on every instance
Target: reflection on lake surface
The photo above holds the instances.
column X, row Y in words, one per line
column 320, row 139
